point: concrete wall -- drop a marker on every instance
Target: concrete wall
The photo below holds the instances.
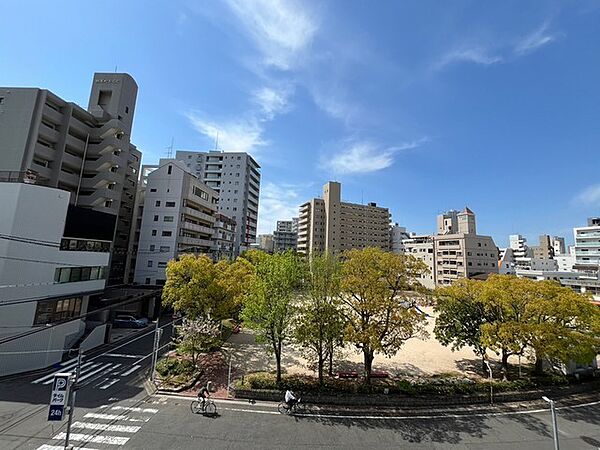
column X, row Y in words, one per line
column 94, row 339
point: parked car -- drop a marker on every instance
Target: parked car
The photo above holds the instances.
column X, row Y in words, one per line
column 125, row 321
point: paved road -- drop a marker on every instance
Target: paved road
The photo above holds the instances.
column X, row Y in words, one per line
column 114, row 411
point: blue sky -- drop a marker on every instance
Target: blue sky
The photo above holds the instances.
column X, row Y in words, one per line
column 420, row 106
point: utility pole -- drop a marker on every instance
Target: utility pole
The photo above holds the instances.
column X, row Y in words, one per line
column 157, row 336
column 72, row 393
column 491, row 381
column 554, row 424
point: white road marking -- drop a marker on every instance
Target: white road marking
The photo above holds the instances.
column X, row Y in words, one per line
column 94, row 439
column 121, row 355
column 115, row 417
column 110, row 383
column 107, row 427
column 50, row 378
column 134, row 409
column 257, row 411
column 130, row 371
column 86, row 365
column 94, row 372
column 60, row 447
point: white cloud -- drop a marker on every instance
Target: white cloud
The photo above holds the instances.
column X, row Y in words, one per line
column 365, row 157
column 473, row 55
column 589, row 196
column 244, row 135
column 272, row 101
column 277, row 202
column 280, row 28
column 535, row 40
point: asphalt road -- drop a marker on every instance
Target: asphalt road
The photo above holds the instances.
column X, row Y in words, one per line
column 114, row 411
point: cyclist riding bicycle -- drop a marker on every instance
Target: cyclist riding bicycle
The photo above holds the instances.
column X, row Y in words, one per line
column 290, row 398
column 204, row 393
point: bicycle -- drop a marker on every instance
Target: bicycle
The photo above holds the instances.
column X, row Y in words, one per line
column 284, row 408
column 206, row 407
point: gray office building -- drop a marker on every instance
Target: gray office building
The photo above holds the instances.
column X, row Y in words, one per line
column 86, row 152
column 236, row 179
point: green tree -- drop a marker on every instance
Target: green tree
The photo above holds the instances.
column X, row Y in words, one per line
column 320, row 324
column 460, row 314
column 194, row 337
column 378, row 293
column 200, row 287
column 270, row 301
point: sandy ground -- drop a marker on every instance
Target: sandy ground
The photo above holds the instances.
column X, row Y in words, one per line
column 417, row 357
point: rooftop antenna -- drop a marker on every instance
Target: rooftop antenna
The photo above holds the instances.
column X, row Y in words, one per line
column 116, row 68
column 170, row 148
column 217, row 141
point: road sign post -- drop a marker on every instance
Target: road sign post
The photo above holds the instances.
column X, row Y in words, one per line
column 72, row 395
column 59, row 396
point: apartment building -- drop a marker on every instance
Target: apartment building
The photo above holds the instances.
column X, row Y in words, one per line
column 460, row 252
column 53, row 257
column 587, row 246
column 285, row 236
column 397, row 236
column 85, row 152
column 330, row 225
column 266, row 243
column 223, row 237
column 178, row 217
column 236, row 179
column 558, row 245
column 422, row 247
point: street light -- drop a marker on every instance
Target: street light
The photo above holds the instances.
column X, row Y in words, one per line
column 554, row 425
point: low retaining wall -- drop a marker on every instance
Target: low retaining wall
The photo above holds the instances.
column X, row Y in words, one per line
column 421, row 400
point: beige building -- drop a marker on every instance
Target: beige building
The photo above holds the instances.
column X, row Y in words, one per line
column 461, row 252
column 330, row 225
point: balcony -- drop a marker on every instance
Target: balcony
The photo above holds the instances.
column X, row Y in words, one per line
column 195, row 242
column 198, row 228
column 198, row 214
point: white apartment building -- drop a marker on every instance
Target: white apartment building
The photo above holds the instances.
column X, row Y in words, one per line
column 85, row 152
column 330, row 225
column 285, row 236
column 52, row 258
column 236, row 179
column 422, row 247
column 397, row 236
column 178, row 217
column 587, row 246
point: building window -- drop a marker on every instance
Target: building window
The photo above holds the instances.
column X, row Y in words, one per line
column 156, row 218
column 147, row 280
column 170, row 169
column 152, row 189
column 152, row 247
column 157, row 203
column 74, row 274
column 50, row 311
column 167, row 233
column 170, row 204
column 154, row 232
column 168, row 219
column 165, row 248
column 162, row 265
column 127, row 110
column 150, row 263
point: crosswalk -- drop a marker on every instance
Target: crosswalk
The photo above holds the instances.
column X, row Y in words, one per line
column 98, row 374
column 113, row 427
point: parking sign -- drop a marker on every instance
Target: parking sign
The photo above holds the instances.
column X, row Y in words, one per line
column 59, row 396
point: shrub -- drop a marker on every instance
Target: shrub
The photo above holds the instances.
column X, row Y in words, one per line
column 173, row 367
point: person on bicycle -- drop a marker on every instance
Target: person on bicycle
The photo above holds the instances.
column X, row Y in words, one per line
column 204, row 393
column 290, row 398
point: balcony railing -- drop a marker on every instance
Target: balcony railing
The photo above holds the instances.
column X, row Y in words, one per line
column 28, row 177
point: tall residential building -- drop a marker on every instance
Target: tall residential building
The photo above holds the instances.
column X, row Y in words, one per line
column 266, row 243
column 422, row 247
column 587, row 247
column 397, row 236
column 85, row 152
column 178, row 217
column 236, row 179
column 330, row 225
column 223, row 237
column 545, row 249
column 285, row 236
column 463, row 253
column 447, row 223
